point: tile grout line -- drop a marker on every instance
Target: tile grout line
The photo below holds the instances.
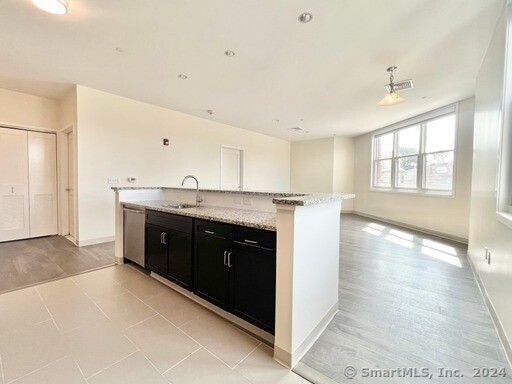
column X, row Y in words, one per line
column 114, row 363
column 79, row 368
column 38, row 369
column 143, row 355
column 97, row 306
column 182, row 360
column 140, row 322
column 249, row 354
column 49, row 313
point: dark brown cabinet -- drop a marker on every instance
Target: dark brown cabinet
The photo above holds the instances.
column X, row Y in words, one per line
column 169, row 246
column 235, row 269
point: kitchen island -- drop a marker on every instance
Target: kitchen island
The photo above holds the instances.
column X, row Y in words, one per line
column 307, row 250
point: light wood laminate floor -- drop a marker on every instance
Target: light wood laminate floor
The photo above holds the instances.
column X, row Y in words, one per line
column 34, row 261
column 407, row 300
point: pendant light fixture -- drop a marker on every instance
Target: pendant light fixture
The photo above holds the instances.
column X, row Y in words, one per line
column 55, row 7
column 391, row 98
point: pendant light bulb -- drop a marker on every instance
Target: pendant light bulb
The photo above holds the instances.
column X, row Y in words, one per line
column 391, row 98
column 55, row 7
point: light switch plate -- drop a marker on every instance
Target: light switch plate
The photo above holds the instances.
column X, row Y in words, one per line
column 113, row 180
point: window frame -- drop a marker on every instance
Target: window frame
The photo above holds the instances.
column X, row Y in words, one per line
column 421, row 121
column 504, row 172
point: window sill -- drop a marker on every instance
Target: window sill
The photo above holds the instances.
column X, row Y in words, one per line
column 505, row 218
column 446, row 195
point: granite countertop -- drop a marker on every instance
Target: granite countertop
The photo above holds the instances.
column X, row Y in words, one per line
column 246, row 218
column 312, row 199
column 283, row 198
column 227, row 191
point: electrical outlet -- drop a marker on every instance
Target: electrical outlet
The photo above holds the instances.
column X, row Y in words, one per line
column 247, row 201
column 238, row 200
column 113, row 180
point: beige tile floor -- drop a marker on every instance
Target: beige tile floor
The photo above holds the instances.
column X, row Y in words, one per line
column 117, row 325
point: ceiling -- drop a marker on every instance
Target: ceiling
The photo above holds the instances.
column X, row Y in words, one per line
column 325, row 76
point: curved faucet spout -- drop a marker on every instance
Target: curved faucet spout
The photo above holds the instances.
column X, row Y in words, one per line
column 199, row 200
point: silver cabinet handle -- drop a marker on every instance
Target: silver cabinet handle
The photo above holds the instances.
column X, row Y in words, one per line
column 12, row 189
column 209, row 232
column 163, row 238
column 229, row 260
column 225, row 255
column 251, row 241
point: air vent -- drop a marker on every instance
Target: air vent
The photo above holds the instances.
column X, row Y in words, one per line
column 298, row 130
column 401, row 85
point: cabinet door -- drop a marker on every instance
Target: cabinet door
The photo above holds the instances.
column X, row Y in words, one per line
column 156, row 249
column 211, row 278
column 253, row 290
column 180, row 259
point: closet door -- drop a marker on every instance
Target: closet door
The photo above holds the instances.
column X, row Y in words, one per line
column 42, row 166
column 14, row 200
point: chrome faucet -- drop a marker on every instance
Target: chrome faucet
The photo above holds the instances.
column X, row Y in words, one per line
column 199, row 200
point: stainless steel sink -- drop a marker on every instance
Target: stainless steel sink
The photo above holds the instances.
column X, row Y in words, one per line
column 177, row 205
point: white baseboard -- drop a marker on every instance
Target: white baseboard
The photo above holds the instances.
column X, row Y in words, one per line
column 413, row 227
column 100, row 240
column 502, row 335
column 289, row 360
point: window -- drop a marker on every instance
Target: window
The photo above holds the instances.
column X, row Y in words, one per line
column 418, row 157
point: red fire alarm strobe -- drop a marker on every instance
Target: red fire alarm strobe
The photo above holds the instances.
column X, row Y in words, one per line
column 166, row 141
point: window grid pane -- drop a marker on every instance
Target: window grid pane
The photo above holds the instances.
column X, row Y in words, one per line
column 407, row 172
column 408, row 141
column 382, row 171
column 438, row 171
column 440, row 134
column 384, row 146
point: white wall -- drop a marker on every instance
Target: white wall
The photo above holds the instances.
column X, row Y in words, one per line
column 448, row 216
column 312, row 166
column 344, row 154
column 323, row 166
column 120, row 137
column 20, row 109
column 485, row 229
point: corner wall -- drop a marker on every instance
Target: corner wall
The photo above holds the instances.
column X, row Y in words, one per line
column 485, row 229
column 120, row 137
column 448, row 216
column 323, row 166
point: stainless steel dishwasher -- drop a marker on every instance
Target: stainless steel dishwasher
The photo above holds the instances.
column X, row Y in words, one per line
column 134, row 220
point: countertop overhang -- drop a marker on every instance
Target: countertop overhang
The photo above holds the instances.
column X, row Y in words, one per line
column 278, row 198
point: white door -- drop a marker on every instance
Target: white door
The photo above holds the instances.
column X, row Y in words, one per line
column 42, row 165
column 71, row 184
column 231, row 168
column 14, row 199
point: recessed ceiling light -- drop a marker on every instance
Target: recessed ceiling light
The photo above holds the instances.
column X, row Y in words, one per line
column 275, row 120
column 305, row 17
column 182, row 76
column 55, row 7
column 229, row 53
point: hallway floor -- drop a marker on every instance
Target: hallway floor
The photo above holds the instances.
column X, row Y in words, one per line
column 407, row 300
column 34, row 261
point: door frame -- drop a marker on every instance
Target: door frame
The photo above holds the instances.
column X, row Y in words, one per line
column 63, row 182
column 242, row 163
